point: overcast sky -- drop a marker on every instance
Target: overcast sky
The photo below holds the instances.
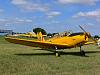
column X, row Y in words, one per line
column 52, row 15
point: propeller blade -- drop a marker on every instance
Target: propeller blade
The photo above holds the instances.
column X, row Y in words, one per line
column 88, row 34
column 82, row 28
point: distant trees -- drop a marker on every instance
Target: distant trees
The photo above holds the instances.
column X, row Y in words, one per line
column 36, row 30
column 96, row 36
column 49, row 34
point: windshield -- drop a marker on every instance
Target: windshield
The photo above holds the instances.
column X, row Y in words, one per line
column 74, row 34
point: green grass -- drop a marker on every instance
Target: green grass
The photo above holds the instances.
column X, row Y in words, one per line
column 22, row 60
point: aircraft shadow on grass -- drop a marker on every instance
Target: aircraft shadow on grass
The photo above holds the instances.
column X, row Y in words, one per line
column 61, row 53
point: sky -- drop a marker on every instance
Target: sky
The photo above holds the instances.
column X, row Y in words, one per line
column 51, row 15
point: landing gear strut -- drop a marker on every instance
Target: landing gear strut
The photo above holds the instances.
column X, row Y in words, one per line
column 82, row 51
column 57, row 52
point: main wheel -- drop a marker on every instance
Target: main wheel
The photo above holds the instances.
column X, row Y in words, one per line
column 57, row 54
column 82, row 53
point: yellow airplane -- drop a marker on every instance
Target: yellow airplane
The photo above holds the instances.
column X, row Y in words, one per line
column 57, row 44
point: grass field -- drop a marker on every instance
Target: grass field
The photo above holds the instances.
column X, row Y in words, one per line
column 22, row 60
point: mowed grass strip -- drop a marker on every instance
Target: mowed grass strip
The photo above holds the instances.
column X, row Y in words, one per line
column 22, row 60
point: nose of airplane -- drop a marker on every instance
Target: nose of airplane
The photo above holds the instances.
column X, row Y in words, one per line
column 87, row 35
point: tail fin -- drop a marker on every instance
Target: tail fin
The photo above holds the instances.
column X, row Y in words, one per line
column 40, row 36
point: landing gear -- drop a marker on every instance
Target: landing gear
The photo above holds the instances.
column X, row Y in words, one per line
column 57, row 52
column 82, row 51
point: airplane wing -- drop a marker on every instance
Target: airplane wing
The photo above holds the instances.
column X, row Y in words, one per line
column 41, row 44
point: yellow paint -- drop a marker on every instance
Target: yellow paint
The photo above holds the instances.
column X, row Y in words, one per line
column 61, row 42
column 40, row 36
column 71, row 41
column 29, row 34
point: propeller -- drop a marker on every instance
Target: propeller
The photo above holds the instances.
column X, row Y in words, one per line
column 87, row 34
column 82, row 28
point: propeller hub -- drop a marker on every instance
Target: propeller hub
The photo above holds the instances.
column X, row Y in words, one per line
column 87, row 34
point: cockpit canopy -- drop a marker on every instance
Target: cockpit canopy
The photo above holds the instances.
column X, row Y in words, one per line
column 75, row 34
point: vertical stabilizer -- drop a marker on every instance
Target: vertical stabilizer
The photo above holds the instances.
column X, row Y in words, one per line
column 40, row 36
